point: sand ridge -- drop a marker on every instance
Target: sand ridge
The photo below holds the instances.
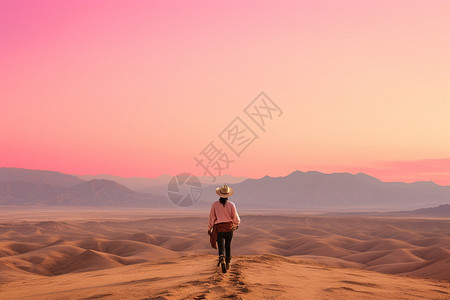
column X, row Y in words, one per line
column 46, row 251
column 398, row 246
column 265, row 276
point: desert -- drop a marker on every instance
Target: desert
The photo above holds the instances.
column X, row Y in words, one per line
column 90, row 254
column 306, row 140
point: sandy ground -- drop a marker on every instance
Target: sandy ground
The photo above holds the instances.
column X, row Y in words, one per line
column 250, row 277
column 168, row 256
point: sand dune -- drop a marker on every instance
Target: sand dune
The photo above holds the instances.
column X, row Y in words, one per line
column 408, row 247
column 264, row 276
column 379, row 244
column 88, row 260
column 437, row 268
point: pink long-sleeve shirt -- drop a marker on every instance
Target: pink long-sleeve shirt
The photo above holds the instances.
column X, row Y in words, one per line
column 221, row 214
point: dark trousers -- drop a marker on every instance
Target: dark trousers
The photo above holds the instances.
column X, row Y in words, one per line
column 224, row 238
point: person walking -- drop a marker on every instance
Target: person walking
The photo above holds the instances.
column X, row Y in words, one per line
column 223, row 221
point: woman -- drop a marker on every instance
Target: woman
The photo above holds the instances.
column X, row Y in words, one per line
column 223, row 220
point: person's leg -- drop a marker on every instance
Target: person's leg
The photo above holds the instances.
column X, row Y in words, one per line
column 220, row 245
column 228, row 238
column 220, row 242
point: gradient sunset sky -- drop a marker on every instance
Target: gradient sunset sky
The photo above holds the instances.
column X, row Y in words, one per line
column 138, row 88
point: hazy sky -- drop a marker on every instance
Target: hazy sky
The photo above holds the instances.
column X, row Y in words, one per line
column 140, row 88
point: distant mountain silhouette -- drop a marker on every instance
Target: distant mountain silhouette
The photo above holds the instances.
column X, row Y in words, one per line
column 102, row 193
column 133, row 183
column 441, row 210
column 38, row 177
column 27, row 193
column 298, row 190
column 158, row 185
column 316, row 190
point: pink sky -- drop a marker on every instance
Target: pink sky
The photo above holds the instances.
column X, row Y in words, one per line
column 138, row 88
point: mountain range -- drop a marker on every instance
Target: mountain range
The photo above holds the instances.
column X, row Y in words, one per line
column 143, row 184
column 38, row 177
column 438, row 211
column 299, row 191
column 337, row 191
column 20, row 187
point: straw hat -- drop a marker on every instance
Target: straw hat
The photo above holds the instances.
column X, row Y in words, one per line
column 224, row 191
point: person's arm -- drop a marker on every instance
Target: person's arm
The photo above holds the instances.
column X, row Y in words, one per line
column 212, row 217
column 236, row 218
